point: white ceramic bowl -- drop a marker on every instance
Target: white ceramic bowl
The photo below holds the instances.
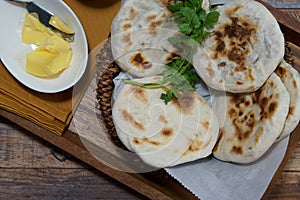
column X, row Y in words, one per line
column 13, row 50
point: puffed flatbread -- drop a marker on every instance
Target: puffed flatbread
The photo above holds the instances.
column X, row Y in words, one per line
column 164, row 135
column 139, row 34
column 291, row 79
column 244, row 49
column 252, row 121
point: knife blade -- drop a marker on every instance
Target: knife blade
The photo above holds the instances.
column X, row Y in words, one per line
column 44, row 16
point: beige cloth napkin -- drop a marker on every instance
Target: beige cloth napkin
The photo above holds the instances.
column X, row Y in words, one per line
column 50, row 111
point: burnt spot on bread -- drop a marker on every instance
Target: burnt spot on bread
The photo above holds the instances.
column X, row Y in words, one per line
column 220, row 46
column 151, row 17
column 234, row 41
column 144, row 141
column 154, row 25
column 162, row 119
column 244, row 126
column 132, row 13
column 291, row 110
column 250, row 74
column 231, row 11
column 126, row 26
column 139, row 61
column 222, row 64
column 129, row 118
column 237, row 99
column 231, row 113
column 197, row 145
column 154, row 22
column 236, row 150
column 167, row 2
column 140, row 94
column 136, row 141
column 272, row 107
column 268, row 104
column 210, row 71
column 239, row 83
column 167, row 132
column 205, row 125
column 221, row 137
column 259, row 134
column 295, row 84
column 251, row 88
column 171, row 56
column 281, row 71
column 127, row 38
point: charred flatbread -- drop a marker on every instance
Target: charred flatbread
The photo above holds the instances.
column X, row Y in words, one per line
column 291, row 79
column 252, row 121
column 164, row 134
column 245, row 48
column 139, row 34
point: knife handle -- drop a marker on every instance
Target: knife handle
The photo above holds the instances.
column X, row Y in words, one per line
column 44, row 16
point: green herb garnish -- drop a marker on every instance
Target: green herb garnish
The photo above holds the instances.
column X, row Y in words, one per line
column 194, row 23
column 179, row 77
column 193, row 19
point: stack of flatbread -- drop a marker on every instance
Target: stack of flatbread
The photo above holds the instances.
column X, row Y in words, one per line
column 256, row 93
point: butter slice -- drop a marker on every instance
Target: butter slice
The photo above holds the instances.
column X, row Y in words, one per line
column 56, row 22
column 50, row 58
column 33, row 31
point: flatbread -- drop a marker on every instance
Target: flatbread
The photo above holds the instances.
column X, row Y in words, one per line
column 245, row 48
column 291, row 79
column 252, row 122
column 139, row 34
column 164, row 135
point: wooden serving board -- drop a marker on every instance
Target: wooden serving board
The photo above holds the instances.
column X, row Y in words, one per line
column 96, row 17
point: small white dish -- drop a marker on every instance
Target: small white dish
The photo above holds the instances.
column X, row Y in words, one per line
column 13, row 50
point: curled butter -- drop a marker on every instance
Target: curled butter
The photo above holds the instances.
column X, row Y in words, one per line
column 50, row 58
column 56, row 22
column 52, row 55
column 33, row 31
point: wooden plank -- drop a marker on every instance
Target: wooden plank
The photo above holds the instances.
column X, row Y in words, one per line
column 61, row 183
column 287, row 186
column 289, row 25
column 294, row 162
column 293, row 13
column 287, row 4
column 19, row 149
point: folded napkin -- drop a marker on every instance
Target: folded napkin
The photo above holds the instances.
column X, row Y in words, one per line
column 50, row 111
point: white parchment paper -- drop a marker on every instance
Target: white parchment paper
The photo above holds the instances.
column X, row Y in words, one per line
column 211, row 179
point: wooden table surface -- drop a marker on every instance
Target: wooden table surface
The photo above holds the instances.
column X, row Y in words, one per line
column 34, row 169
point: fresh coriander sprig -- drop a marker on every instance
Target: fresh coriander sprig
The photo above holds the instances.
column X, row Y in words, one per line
column 180, row 76
column 194, row 24
column 193, row 19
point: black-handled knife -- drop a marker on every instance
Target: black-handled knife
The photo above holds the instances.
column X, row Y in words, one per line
column 43, row 15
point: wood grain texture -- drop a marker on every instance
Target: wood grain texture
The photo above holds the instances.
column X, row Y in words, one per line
column 288, row 4
column 31, row 167
column 34, row 169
